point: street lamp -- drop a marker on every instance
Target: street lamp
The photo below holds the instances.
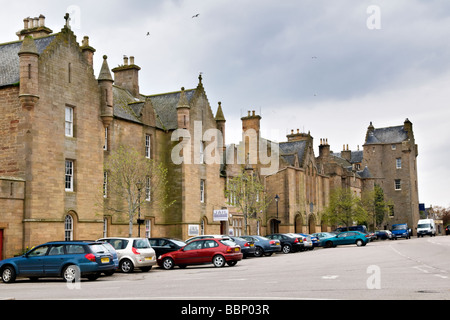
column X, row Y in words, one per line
column 277, row 198
column 139, row 186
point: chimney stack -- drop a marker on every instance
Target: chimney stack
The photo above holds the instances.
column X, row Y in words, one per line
column 127, row 76
column 34, row 27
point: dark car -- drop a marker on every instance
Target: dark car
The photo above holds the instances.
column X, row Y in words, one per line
column 247, row 245
column 263, row 245
column 289, row 243
column 447, row 230
column 165, row 245
column 203, row 251
column 383, row 234
column 67, row 259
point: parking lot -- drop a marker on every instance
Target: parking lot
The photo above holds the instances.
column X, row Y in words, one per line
column 401, row 269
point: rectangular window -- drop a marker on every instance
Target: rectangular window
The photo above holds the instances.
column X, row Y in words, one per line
column 148, row 145
column 105, row 184
column 393, row 147
column 398, row 184
column 69, row 175
column 148, row 188
column 69, row 122
column 202, row 191
column 398, row 163
column 148, row 228
column 105, row 147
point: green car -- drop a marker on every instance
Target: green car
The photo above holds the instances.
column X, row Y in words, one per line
column 348, row 237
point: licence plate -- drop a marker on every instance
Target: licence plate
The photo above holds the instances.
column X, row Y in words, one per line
column 236, row 249
column 149, row 258
column 105, row 260
column 252, row 245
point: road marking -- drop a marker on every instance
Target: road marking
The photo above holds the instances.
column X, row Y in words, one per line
column 334, row 277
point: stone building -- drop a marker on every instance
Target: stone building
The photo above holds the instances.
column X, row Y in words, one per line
column 58, row 126
column 391, row 155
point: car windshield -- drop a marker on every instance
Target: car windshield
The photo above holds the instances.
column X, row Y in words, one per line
column 423, row 225
column 399, row 227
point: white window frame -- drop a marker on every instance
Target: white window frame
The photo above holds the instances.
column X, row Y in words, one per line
column 398, row 184
column 69, row 121
column 202, row 190
column 69, row 175
column 148, row 189
column 398, row 163
column 68, row 228
column 148, row 228
column 105, row 184
column 148, row 146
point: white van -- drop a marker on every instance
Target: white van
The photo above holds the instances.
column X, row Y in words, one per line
column 426, row 226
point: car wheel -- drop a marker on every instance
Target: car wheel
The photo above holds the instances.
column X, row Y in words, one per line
column 8, row 274
column 231, row 263
column 167, row 263
column 286, row 248
column 359, row 242
column 71, row 273
column 93, row 277
column 126, row 266
column 328, row 244
column 259, row 252
column 218, row 261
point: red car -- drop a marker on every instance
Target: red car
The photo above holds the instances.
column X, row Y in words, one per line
column 204, row 251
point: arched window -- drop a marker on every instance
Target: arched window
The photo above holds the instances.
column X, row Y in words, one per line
column 68, row 228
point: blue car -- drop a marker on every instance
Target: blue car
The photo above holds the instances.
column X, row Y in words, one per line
column 348, row 237
column 67, row 259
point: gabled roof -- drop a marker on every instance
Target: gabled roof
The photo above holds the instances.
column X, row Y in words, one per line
column 290, row 149
column 9, row 59
column 127, row 107
column 165, row 106
column 387, row 135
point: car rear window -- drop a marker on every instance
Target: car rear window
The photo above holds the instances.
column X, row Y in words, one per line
column 227, row 242
column 98, row 248
column 141, row 244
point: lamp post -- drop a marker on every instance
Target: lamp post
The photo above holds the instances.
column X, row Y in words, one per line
column 139, row 186
column 277, row 198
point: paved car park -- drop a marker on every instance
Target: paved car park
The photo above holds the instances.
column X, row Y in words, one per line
column 382, row 270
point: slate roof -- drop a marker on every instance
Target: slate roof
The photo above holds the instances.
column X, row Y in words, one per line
column 165, row 106
column 387, row 135
column 288, row 150
column 355, row 156
column 127, row 107
column 9, row 59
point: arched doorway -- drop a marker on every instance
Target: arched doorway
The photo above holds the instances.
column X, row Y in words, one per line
column 298, row 223
column 274, row 226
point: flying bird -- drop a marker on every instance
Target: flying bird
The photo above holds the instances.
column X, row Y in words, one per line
column 148, row 33
column 196, row 16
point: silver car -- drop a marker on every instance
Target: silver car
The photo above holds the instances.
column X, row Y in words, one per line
column 133, row 253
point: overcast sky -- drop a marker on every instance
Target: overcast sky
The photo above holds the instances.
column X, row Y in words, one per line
column 329, row 67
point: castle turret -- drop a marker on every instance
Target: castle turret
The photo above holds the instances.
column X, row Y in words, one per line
column 105, row 82
column 183, row 111
column 29, row 73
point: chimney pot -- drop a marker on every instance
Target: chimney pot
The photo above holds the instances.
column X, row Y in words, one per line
column 125, row 60
column 131, row 60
